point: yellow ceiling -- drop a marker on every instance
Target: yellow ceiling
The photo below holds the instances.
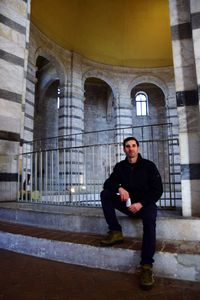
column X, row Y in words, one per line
column 134, row 33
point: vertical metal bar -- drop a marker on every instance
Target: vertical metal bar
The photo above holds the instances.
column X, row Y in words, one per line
column 35, row 180
column 86, row 174
column 40, row 176
column 58, row 176
column 53, row 175
column 22, row 174
column 71, row 179
column 93, row 172
column 78, row 175
column 46, row 173
column 169, row 174
column 31, row 176
column 110, row 162
column 166, row 167
column 25, row 181
column 18, row 178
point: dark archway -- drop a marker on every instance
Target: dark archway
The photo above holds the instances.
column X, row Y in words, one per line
column 99, row 111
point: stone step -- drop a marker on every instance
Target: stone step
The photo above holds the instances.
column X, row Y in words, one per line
column 173, row 259
column 170, row 225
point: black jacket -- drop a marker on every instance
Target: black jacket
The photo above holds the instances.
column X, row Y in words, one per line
column 141, row 179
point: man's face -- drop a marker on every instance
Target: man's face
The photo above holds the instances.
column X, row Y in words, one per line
column 131, row 149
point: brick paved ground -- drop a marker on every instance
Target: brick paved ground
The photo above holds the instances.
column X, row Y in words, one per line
column 28, row 278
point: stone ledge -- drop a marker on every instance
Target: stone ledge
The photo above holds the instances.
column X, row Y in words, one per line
column 82, row 219
column 173, row 259
column 171, row 246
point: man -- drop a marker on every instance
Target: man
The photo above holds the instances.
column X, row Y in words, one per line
column 137, row 179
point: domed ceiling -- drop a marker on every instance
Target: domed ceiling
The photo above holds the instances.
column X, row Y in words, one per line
column 133, row 33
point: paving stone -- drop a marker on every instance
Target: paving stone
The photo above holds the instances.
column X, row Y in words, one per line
column 23, row 277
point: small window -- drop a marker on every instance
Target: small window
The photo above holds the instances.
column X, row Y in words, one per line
column 141, row 100
column 58, row 99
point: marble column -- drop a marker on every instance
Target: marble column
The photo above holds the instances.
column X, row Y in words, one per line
column 14, row 37
column 29, row 108
column 71, row 128
column 123, row 122
column 195, row 21
column 187, row 105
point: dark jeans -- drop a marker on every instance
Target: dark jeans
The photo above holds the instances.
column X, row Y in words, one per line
column 148, row 214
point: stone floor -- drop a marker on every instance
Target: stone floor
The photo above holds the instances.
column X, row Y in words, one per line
column 24, row 277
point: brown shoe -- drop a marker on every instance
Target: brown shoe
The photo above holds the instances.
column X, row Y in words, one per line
column 146, row 278
column 113, row 237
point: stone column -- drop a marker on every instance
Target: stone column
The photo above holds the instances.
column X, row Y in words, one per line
column 71, row 127
column 123, row 122
column 187, row 105
column 14, row 36
column 29, row 106
column 195, row 20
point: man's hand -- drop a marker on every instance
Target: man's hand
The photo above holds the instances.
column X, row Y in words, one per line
column 135, row 207
column 124, row 195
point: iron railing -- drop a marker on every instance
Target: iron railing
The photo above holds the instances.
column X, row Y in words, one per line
column 75, row 175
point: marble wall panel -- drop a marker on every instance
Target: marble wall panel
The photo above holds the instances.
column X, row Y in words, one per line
column 188, row 119
column 8, row 191
column 179, row 12
column 189, row 145
column 185, row 78
column 196, row 39
column 191, row 203
column 28, row 122
column 187, row 199
column 10, row 124
column 15, row 10
column 8, row 148
column 183, row 53
column 77, row 102
column 12, row 35
column 198, row 70
column 30, row 86
column 29, row 109
column 194, row 6
column 9, row 109
column 12, row 78
column 30, row 96
column 173, row 114
column 28, row 135
column 8, row 164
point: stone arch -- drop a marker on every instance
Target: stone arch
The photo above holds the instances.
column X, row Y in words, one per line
column 59, row 67
column 157, row 109
column 99, row 109
column 149, row 79
column 53, row 77
column 105, row 76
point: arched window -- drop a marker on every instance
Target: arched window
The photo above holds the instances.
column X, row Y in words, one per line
column 141, row 100
column 58, row 98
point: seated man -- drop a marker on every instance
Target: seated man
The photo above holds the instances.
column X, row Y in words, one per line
column 138, row 181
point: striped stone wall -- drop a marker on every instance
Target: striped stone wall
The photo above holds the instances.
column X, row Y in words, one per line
column 183, row 43
column 14, row 36
column 71, row 117
column 195, row 20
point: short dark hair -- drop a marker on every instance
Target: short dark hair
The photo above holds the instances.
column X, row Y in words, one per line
column 130, row 138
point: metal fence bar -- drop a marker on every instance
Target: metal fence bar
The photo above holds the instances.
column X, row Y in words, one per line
column 75, row 175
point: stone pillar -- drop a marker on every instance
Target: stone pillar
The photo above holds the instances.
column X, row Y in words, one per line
column 187, row 105
column 29, row 105
column 123, row 123
column 14, row 36
column 195, row 20
column 123, row 118
column 71, row 127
